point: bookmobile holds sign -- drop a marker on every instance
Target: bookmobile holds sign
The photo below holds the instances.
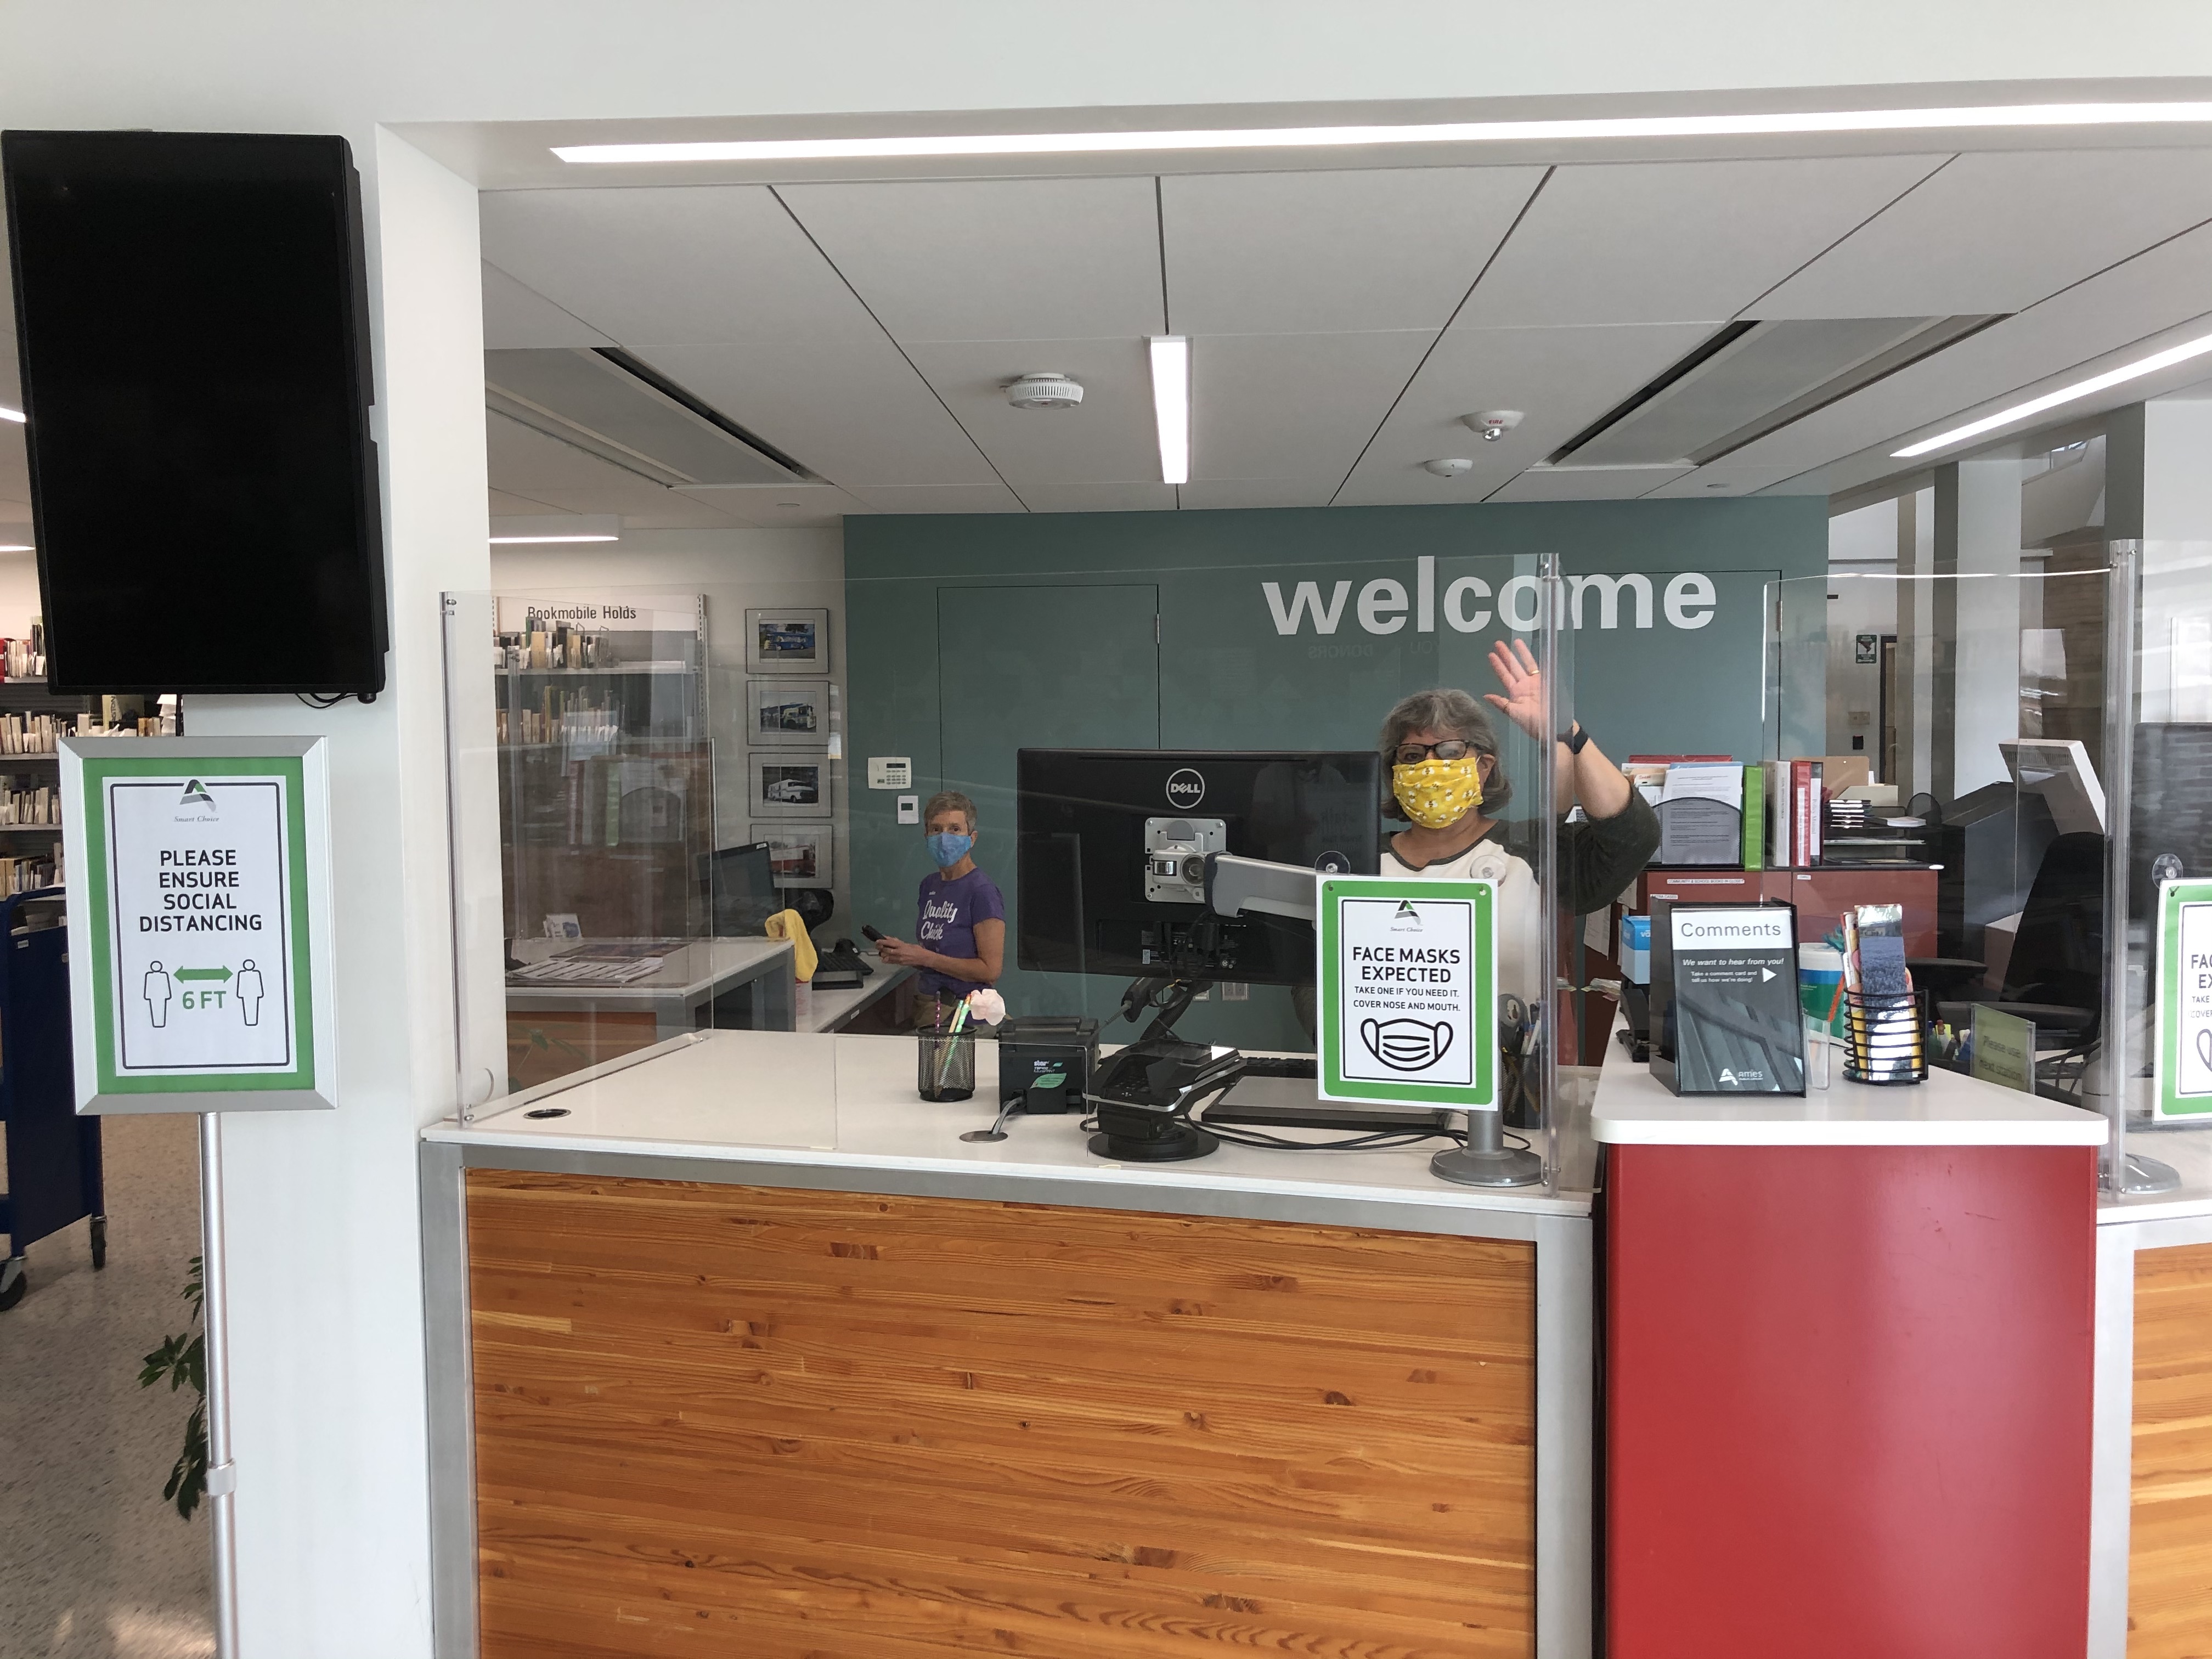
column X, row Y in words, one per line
column 2183, row 1058
column 199, row 936
column 1408, row 976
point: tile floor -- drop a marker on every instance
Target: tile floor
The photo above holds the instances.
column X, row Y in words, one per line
column 93, row 1562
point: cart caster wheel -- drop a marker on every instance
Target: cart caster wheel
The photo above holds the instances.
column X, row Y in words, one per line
column 14, row 1279
column 99, row 1243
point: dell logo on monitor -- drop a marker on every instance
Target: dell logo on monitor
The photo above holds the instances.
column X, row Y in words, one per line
column 1185, row 788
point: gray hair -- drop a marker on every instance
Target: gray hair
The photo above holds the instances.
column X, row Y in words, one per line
column 1453, row 712
column 949, row 800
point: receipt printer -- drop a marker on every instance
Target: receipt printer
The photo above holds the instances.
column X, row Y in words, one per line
column 1046, row 1061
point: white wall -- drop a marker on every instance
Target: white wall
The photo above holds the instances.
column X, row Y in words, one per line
column 1861, row 564
column 19, row 593
column 735, row 569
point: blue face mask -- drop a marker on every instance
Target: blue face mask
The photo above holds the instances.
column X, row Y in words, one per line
column 948, row 850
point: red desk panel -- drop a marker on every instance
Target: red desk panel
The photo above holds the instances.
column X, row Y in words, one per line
column 1848, row 1401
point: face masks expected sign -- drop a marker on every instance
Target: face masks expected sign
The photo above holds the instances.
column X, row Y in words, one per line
column 1408, row 974
column 2184, row 1053
column 198, row 952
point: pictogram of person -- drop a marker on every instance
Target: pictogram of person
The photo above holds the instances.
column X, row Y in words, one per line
column 247, row 987
column 156, row 989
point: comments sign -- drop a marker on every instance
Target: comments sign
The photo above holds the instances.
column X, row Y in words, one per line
column 1408, row 976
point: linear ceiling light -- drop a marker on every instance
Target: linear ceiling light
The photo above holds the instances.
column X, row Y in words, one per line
column 15, row 414
column 16, row 547
column 1171, row 405
column 2065, row 394
column 539, row 541
column 1437, row 132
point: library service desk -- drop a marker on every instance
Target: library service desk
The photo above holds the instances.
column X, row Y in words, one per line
column 749, row 1346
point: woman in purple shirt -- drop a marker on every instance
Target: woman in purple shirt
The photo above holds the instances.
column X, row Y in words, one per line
column 960, row 929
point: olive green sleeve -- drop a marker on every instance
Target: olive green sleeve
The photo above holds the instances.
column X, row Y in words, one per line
column 1599, row 857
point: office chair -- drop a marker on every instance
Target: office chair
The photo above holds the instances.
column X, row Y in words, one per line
column 2056, row 976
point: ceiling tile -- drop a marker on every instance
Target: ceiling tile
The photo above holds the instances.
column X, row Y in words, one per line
column 777, row 506
column 1585, row 483
column 506, row 504
column 1562, row 379
column 852, row 411
column 652, row 267
column 1293, row 405
column 525, row 462
column 2166, row 286
column 1210, row 493
column 518, row 318
column 1332, row 252
column 1719, row 479
column 1677, row 241
column 1140, row 496
column 995, row 259
column 1109, row 436
column 1995, row 232
column 949, row 498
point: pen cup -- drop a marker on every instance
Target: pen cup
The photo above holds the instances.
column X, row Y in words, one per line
column 945, row 1064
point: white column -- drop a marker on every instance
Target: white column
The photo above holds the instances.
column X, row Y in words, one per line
column 328, row 1402
column 2158, row 490
column 1976, row 700
column 1916, row 644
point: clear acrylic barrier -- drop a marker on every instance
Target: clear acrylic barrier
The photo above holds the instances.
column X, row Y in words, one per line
column 623, row 757
column 2037, row 729
column 2160, row 731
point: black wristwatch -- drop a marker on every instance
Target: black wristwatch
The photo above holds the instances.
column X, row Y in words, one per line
column 1575, row 738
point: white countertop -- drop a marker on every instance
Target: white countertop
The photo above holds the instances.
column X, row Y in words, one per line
column 2188, row 1152
column 817, row 1010
column 1634, row 1108
column 691, row 970
column 847, row 1103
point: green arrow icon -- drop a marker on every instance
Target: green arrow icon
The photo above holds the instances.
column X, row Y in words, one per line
column 204, row 973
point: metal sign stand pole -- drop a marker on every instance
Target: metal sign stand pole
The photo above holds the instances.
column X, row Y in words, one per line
column 215, row 1336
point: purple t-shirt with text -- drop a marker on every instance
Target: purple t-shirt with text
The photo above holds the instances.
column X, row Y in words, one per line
column 949, row 911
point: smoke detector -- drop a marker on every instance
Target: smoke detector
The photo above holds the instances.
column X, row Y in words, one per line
column 1493, row 423
column 1048, row 390
column 1450, row 469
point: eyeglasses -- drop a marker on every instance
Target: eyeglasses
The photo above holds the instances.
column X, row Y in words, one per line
column 1413, row 754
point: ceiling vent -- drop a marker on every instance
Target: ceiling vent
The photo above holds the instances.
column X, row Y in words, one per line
column 1048, row 390
column 604, row 400
column 1754, row 378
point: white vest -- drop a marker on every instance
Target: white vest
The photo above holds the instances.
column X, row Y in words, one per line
column 1520, row 919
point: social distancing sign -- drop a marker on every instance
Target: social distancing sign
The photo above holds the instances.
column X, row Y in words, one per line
column 198, row 957
column 1407, row 976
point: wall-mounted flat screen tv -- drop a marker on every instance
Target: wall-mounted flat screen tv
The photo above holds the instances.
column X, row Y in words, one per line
column 190, row 316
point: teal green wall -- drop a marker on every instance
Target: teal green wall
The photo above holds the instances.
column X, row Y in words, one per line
column 1228, row 677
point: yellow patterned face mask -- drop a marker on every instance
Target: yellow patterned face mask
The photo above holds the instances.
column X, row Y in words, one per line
column 1438, row 794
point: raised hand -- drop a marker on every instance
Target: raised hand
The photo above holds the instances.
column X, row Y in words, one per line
column 1523, row 702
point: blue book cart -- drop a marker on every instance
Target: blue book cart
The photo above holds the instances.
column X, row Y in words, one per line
column 53, row 1175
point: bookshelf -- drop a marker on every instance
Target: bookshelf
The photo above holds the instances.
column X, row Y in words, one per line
column 32, row 718
column 606, row 768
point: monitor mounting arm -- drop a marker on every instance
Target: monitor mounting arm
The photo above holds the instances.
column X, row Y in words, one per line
column 1235, row 885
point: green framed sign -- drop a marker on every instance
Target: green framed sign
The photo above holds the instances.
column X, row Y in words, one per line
column 1408, row 992
column 199, row 947
column 2182, row 1060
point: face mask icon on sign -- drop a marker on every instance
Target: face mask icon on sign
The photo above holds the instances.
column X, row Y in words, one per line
column 2204, row 1045
column 1407, row 1045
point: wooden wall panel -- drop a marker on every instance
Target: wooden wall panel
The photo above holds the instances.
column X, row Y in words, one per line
column 2170, row 1506
column 781, row 1425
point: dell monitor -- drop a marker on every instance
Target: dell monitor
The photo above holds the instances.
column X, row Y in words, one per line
column 1112, row 845
column 744, row 893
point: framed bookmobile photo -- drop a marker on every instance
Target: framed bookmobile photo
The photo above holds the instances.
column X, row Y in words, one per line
column 787, row 713
column 787, row 642
column 797, row 853
column 789, row 784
